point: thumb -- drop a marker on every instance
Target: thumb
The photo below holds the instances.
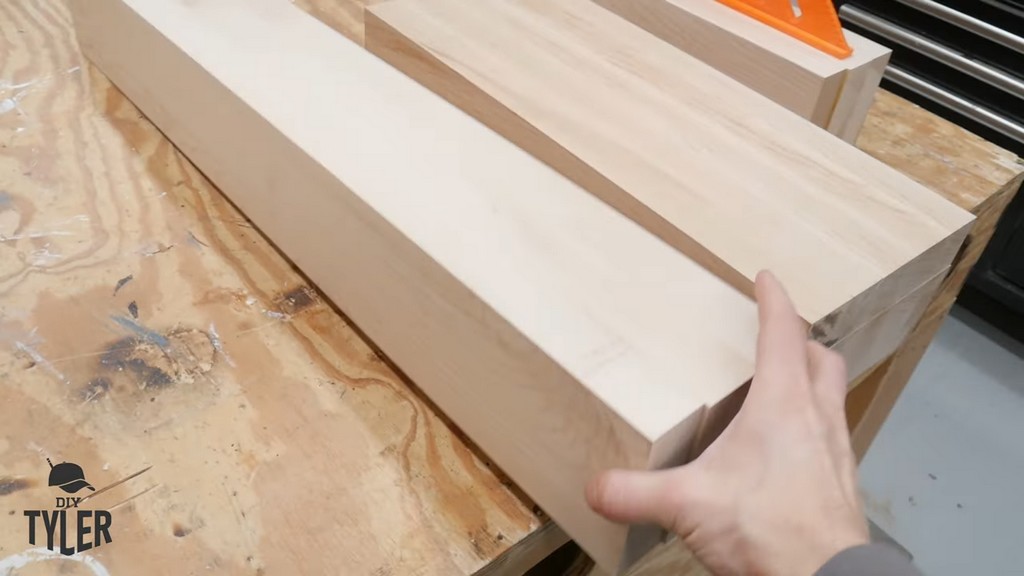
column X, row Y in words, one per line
column 638, row 497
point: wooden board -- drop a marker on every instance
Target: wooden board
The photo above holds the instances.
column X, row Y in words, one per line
column 290, row 448
column 453, row 514
column 554, row 346
column 832, row 93
column 875, row 340
column 864, row 70
column 957, row 165
column 658, row 135
column 972, row 173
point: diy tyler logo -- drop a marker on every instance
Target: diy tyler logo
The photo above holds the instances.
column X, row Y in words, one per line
column 93, row 526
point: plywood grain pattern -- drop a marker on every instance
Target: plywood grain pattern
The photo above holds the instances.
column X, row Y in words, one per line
column 555, row 347
column 958, row 165
column 714, row 169
column 279, row 441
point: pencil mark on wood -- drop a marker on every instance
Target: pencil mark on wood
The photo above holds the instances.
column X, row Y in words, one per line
column 120, row 283
column 95, row 388
column 143, row 333
column 116, row 484
column 192, row 238
column 296, row 300
column 10, row 485
column 218, row 345
column 37, row 359
column 156, row 360
column 131, row 498
column 135, row 355
column 160, row 249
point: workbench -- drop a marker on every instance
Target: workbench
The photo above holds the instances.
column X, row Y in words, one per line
column 230, row 418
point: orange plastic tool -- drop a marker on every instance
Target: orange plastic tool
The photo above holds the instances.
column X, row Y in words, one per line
column 813, row 22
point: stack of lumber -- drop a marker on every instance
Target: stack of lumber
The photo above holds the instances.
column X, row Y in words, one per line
column 584, row 310
column 830, row 92
column 713, row 169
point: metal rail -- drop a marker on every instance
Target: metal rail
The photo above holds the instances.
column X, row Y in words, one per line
column 956, row 103
column 956, row 60
column 969, row 23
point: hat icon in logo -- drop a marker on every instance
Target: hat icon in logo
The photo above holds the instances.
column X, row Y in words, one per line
column 68, row 476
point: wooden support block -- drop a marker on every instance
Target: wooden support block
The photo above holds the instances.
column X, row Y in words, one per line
column 560, row 335
column 714, row 169
column 863, row 73
column 875, row 340
column 869, row 406
column 832, row 93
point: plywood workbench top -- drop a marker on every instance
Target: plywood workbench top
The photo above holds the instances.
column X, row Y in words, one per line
column 145, row 325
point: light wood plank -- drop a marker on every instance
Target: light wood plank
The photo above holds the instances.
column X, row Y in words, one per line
column 863, row 73
column 832, row 93
column 714, row 169
column 758, row 56
column 531, row 551
column 545, row 324
column 437, row 508
column 272, row 411
column 878, row 338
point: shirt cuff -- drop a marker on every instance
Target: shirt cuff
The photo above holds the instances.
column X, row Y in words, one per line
column 869, row 560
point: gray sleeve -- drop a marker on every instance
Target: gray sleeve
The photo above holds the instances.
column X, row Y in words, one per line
column 869, row 560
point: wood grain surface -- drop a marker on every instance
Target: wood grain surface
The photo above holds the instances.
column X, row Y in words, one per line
column 960, row 166
column 91, row 194
column 717, row 171
column 974, row 174
column 956, row 164
column 830, row 92
column 546, row 324
column 864, row 73
column 144, row 324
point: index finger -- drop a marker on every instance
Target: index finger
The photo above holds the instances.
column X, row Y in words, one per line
column 782, row 334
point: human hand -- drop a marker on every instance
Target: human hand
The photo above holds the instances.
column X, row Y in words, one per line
column 776, row 493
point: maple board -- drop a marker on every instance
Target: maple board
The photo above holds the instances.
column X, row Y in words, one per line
column 716, row 170
column 292, row 387
column 544, row 323
column 830, row 92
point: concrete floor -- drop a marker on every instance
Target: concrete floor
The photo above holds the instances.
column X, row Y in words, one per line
column 945, row 477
